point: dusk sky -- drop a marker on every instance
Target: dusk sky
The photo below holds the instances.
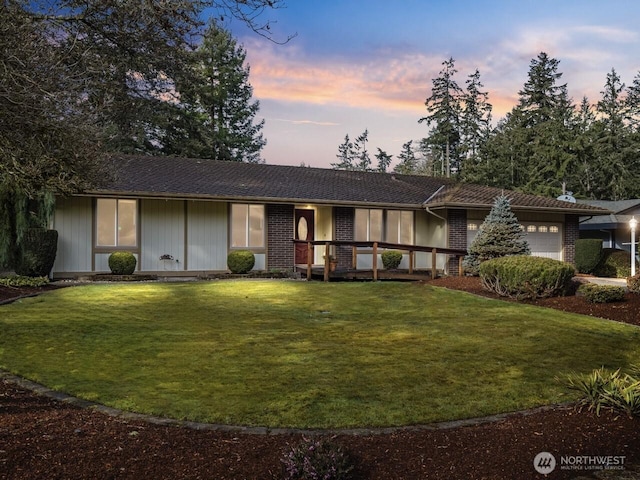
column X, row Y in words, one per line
column 368, row 64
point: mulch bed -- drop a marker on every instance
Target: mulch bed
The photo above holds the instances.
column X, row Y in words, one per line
column 45, row 438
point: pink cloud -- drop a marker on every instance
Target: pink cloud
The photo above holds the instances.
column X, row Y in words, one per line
column 401, row 83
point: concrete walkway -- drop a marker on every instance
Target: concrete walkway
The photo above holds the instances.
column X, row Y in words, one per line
column 619, row 282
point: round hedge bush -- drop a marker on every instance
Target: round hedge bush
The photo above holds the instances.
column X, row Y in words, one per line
column 240, row 261
column 122, row 263
column 524, row 276
column 391, row 259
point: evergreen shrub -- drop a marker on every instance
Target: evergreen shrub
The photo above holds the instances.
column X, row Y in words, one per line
column 633, row 283
column 240, row 261
column 122, row 263
column 601, row 293
column 391, row 259
column 499, row 235
column 588, row 254
column 37, row 252
column 615, row 263
column 21, row 281
column 523, row 276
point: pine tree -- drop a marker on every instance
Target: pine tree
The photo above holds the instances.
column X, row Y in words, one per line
column 346, row 155
column 216, row 106
column 354, row 155
column 475, row 120
column 408, row 162
column 499, row 235
column 615, row 147
column 531, row 149
column 384, row 160
column 444, row 109
column 362, row 154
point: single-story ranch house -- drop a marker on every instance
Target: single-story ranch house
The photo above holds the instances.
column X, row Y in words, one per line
column 182, row 216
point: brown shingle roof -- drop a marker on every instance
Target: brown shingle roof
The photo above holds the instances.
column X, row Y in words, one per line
column 479, row 196
column 210, row 179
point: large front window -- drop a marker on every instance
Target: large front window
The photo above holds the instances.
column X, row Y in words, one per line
column 116, row 223
column 247, row 226
column 399, row 227
column 375, row 225
column 368, row 225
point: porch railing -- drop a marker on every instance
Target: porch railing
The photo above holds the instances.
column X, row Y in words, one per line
column 373, row 248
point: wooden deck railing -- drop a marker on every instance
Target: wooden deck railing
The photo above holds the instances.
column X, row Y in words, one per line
column 373, row 248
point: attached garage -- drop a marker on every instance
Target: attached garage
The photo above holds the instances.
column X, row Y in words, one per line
column 545, row 239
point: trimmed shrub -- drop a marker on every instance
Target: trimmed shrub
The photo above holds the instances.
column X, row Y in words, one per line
column 122, row 263
column 241, row 261
column 633, row 283
column 601, row 293
column 588, row 254
column 391, row 259
column 37, row 252
column 615, row 263
column 523, row 276
column 20, row 281
column 318, row 459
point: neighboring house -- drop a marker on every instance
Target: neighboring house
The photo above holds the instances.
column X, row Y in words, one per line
column 613, row 229
column 182, row 216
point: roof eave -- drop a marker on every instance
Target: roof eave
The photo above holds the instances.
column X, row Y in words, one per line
column 484, row 206
column 246, row 199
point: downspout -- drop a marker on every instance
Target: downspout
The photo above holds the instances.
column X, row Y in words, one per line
column 426, row 206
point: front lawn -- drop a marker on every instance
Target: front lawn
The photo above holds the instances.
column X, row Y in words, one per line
column 304, row 354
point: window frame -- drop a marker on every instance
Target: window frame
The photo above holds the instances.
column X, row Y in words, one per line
column 117, row 245
column 247, row 234
column 385, row 225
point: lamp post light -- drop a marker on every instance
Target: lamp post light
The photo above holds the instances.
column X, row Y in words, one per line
column 633, row 223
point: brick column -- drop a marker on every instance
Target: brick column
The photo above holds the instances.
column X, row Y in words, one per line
column 344, row 218
column 457, row 236
column 571, row 234
column 280, row 248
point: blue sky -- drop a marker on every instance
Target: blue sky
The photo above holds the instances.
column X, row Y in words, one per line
column 368, row 64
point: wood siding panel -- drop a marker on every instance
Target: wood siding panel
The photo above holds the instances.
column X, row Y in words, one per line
column 207, row 229
column 431, row 231
column 162, row 233
column 73, row 221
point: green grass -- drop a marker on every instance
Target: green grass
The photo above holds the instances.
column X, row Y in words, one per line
column 304, row 354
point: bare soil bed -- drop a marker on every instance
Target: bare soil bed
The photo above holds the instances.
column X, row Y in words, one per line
column 44, row 438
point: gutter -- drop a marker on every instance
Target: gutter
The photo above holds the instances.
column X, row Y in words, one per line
column 426, row 206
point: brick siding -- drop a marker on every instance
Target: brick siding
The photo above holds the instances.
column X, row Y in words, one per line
column 280, row 248
column 571, row 234
column 457, row 236
column 344, row 228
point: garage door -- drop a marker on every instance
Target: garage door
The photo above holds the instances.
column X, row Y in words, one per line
column 545, row 239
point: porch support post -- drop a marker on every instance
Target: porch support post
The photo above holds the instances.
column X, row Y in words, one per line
column 375, row 261
column 434, row 257
column 354, row 257
column 309, row 260
column 460, row 268
column 411, row 260
column 327, row 261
